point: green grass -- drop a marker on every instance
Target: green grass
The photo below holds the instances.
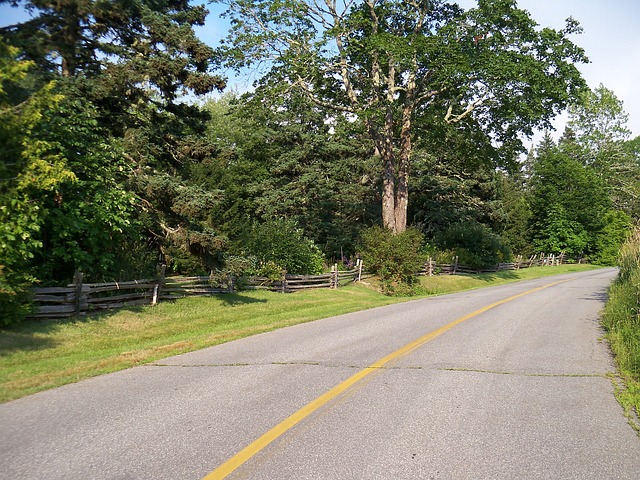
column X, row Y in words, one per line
column 447, row 284
column 36, row 356
column 621, row 320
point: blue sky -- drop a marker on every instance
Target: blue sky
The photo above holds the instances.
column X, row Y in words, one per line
column 611, row 39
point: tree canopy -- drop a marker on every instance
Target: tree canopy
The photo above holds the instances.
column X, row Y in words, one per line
column 386, row 61
column 112, row 162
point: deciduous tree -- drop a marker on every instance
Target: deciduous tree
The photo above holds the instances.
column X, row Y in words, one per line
column 385, row 61
column 598, row 123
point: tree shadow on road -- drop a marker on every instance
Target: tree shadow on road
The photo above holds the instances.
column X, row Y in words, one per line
column 599, row 296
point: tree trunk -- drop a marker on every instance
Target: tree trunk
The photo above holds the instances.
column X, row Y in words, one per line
column 71, row 34
column 389, row 192
column 402, row 181
column 395, row 184
column 401, row 203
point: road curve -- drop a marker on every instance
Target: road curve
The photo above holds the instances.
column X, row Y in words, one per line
column 519, row 390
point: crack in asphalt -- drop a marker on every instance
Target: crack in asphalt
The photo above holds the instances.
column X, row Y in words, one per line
column 385, row 367
column 529, row 374
column 257, row 364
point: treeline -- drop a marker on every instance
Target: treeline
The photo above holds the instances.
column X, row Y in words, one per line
column 107, row 168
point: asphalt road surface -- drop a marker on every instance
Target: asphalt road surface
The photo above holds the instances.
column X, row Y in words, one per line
column 439, row 388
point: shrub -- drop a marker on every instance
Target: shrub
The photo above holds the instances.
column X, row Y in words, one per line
column 616, row 228
column 621, row 319
column 475, row 245
column 15, row 296
column 396, row 258
column 282, row 243
column 270, row 270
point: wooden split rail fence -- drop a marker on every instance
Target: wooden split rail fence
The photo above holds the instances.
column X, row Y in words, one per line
column 79, row 298
column 433, row 268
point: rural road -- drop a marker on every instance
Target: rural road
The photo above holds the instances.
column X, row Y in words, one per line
column 516, row 391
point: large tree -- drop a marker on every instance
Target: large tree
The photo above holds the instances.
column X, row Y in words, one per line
column 598, row 128
column 384, row 62
column 136, row 48
column 568, row 201
column 121, row 69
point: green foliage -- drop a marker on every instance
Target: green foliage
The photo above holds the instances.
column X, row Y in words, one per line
column 15, row 296
column 475, row 245
column 104, row 169
column 176, row 219
column 447, row 191
column 598, row 120
column 598, row 125
column 30, row 169
column 127, row 53
column 513, row 227
column 280, row 245
column 396, row 258
column 87, row 220
column 621, row 317
column 616, row 229
column 488, row 66
column 270, row 270
column 117, row 138
column 234, row 271
column 568, row 202
column 557, row 233
column 584, row 190
column 280, row 156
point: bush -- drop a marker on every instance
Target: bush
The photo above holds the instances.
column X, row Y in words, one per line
column 475, row 245
column 616, row 228
column 15, row 296
column 396, row 258
column 282, row 245
column 621, row 319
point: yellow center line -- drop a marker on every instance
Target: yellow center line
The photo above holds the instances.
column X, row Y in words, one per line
column 252, row 449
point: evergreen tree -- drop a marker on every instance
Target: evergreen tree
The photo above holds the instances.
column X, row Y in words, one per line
column 122, row 129
column 286, row 159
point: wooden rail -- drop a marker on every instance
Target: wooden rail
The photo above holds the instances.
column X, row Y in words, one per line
column 433, row 268
column 79, row 298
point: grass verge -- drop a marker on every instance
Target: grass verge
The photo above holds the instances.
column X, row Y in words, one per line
column 621, row 320
column 36, row 356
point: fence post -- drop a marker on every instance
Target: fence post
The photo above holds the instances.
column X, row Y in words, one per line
column 455, row 265
column 334, row 276
column 359, row 269
column 430, row 267
column 158, row 286
column 77, row 281
column 283, row 283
